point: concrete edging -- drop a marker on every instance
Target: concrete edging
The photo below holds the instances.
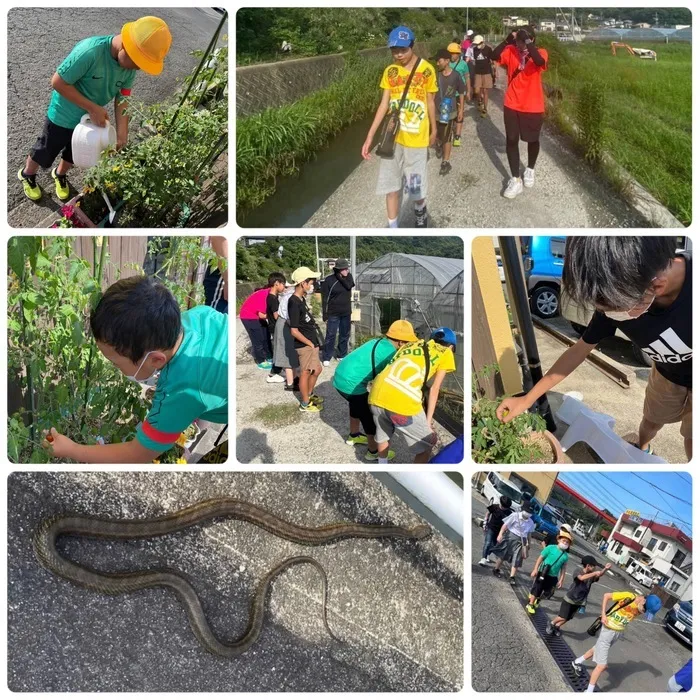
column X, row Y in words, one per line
column 644, row 203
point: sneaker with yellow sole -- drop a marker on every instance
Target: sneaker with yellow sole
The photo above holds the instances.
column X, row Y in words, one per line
column 315, row 398
column 374, row 456
column 31, row 189
column 309, row 408
column 356, row 440
column 62, row 186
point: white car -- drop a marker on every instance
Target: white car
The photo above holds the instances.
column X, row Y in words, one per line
column 495, row 486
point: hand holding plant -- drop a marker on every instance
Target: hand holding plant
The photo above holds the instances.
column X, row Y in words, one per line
column 59, row 446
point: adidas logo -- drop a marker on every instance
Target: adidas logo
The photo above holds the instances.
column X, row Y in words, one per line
column 673, row 350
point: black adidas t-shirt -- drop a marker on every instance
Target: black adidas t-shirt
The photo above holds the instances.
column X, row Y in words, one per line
column 665, row 334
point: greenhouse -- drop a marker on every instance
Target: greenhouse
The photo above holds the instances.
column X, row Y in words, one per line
column 651, row 34
column 427, row 291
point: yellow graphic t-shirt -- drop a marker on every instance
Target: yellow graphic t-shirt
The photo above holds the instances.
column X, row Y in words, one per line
column 619, row 619
column 398, row 387
column 415, row 124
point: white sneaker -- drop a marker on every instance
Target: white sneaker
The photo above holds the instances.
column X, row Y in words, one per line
column 515, row 187
column 275, row 379
column 529, row 177
column 484, row 562
column 326, row 363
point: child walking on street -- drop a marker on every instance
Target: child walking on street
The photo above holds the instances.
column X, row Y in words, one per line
column 614, row 621
column 493, row 522
column 549, row 571
column 513, row 541
column 577, row 594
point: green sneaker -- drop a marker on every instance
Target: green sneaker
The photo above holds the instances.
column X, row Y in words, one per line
column 531, row 609
column 316, row 399
column 31, row 189
column 356, row 440
column 457, row 142
column 309, row 408
column 369, row 457
column 62, row 186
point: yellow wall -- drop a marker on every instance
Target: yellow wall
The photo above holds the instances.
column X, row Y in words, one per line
column 486, row 268
column 542, row 481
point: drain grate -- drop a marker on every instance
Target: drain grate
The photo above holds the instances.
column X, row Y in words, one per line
column 557, row 647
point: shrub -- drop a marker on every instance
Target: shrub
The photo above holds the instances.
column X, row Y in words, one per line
column 590, row 114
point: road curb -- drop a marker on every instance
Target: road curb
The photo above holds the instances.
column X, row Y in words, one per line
column 643, row 201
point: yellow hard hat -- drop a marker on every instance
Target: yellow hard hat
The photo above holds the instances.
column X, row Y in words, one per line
column 147, row 41
column 402, row 330
column 454, row 48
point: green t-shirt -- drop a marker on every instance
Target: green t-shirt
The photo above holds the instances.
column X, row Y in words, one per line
column 194, row 384
column 355, row 371
column 555, row 557
column 461, row 67
column 92, row 70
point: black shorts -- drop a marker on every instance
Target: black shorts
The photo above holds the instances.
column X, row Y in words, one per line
column 444, row 131
column 568, row 610
column 54, row 139
column 543, row 588
column 359, row 409
column 524, row 125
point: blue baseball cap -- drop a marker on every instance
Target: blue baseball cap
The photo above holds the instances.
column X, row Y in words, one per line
column 445, row 334
column 401, row 36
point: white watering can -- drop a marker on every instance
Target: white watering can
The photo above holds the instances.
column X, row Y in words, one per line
column 89, row 140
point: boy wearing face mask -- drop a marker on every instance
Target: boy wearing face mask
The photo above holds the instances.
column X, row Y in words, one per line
column 139, row 328
column 640, row 285
column 306, row 339
column 513, row 541
column 549, row 570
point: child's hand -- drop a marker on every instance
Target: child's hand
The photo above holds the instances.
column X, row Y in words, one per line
column 58, row 445
column 98, row 115
column 533, row 574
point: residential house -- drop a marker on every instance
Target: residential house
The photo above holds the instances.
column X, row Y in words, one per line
column 665, row 549
column 547, row 25
column 515, row 21
column 642, row 25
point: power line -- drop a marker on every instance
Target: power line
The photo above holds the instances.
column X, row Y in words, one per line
column 608, row 501
column 642, row 500
column 680, row 475
column 658, row 488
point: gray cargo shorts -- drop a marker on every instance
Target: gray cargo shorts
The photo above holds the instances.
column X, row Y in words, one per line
column 606, row 639
column 407, row 171
column 415, row 429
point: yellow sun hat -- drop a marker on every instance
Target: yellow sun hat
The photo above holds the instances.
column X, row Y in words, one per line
column 147, row 41
column 454, row 48
column 402, row 330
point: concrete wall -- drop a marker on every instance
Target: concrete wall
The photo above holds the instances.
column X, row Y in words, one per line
column 267, row 85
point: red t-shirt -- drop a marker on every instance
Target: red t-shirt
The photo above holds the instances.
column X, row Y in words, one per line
column 523, row 94
column 257, row 301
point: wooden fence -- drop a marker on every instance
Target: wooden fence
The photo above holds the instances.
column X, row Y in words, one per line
column 123, row 251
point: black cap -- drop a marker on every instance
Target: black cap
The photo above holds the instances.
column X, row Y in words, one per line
column 588, row 560
column 341, row 264
column 443, row 53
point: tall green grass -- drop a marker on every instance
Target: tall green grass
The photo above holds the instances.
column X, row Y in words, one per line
column 647, row 122
column 277, row 141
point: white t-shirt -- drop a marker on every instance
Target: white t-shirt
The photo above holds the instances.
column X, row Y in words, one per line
column 517, row 526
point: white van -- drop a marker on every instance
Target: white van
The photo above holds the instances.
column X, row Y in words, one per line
column 641, row 573
column 495, row 486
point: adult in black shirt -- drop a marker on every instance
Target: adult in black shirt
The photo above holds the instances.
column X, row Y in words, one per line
column 337, row 307
column 642, row 286
column 306, row 341
column 495, row 515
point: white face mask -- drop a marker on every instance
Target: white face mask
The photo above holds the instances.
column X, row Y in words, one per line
column 564, row 545
column 149, row 381
column 627, row 315
column 524, row 516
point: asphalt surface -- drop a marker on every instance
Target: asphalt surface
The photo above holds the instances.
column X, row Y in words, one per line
column 302, row 438
column 567, row 193
column 396, row 606
column 642, row 661
column 40, row 38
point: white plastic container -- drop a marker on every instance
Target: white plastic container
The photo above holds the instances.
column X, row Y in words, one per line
column 90, row 140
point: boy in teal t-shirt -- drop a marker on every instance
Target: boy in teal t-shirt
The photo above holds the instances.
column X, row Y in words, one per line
column 139, row 328
column 357, row 370
column 96, row 71
column 549, row 570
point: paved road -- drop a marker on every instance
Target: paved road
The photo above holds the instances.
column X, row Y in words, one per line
column 396, row 606
column 642, row 661
column 40, row 38
column 297, row 438
column 567, row 194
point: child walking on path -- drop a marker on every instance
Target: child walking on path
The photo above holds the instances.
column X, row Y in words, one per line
column 513, row 541
column 549, row 570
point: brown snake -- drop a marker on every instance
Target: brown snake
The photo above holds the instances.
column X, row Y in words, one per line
column 114, row 583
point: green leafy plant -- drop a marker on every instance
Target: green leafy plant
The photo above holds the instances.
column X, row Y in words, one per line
column 590, row 115
column 495, row 442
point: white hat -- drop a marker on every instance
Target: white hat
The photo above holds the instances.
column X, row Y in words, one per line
column 469, row 32
column 304, row 273
column 478, row 40
column 565, row 527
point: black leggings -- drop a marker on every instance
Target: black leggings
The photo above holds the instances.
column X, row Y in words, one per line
column 513, row 153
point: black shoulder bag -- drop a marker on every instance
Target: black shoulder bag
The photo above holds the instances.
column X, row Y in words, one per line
column 424, row 389
column 374, row 352
column 544, row 571
column 392, row 122
column 598, row 623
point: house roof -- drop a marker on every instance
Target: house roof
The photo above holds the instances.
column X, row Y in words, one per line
column 628, row 542
column 672, row 533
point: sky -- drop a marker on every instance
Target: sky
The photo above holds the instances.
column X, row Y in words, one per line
column 621, row 491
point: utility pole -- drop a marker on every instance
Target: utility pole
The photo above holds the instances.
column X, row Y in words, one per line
column 353, row 261
column 466, row 24
column 318, row 260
